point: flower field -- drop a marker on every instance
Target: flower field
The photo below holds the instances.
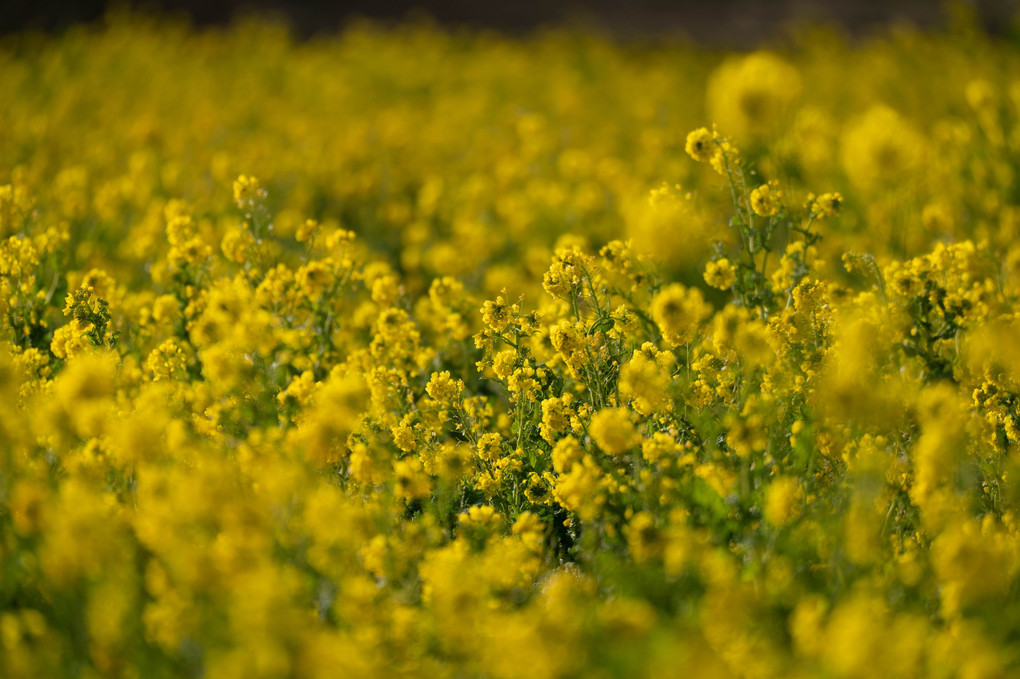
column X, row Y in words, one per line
column 416, row 352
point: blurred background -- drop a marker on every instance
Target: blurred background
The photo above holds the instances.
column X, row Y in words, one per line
column 726, row 23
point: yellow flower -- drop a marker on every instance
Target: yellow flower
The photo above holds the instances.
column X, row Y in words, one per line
column 167, row 361
column 247, row 190
column 700, row 145
column 644, row 380
column 480, row 516
column 565, row 454
column 313, row 280
column 781, row 499
column 748, row 96
column 826, row 205
column 881, row 149
column 489, row 447
column 498, row 314
column 720, row 273
column 444, row 389
column 404, row 438
column 412, row 483
column 307, row 231
column 236, row 245
column 765, row 200
column 678, row 311
column 613, row 431
column 555, row 417
column 643, row 538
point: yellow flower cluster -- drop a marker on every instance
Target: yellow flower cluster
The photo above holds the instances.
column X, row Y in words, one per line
column 404, row 353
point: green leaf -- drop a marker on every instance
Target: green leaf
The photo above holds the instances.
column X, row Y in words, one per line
column 601, row 325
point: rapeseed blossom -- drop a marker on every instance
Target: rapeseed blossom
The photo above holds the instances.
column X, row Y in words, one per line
column 527, row 371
